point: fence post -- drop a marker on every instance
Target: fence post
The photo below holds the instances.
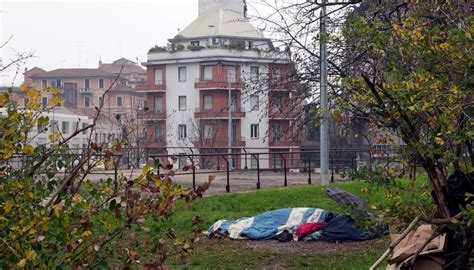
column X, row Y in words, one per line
column 309, row 171
column 332, row 170
column 227, row 187
column 258, row 171
column 194, row 171
column 284, row 168
column 246, row 167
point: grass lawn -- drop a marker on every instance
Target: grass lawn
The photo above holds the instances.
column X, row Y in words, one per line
column 231, row 254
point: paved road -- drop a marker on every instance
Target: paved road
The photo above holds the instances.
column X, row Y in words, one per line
column 241, row 181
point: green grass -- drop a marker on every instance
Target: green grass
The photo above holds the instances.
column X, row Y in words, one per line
column 228, row 254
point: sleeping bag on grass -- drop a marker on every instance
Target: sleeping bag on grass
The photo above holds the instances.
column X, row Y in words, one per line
column 343, row 229
column 269, row 224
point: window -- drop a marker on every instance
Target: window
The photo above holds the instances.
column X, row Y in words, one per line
column 84, row 125
column 233, row 104
column 233, row 132
column 207, row 131
column 119, row 101
column 158, row 76
column 101, row 83
column 276, row 75
column 249, row 45
column 207, row 73
column 58, row 83
column 52, row 84
column 207, row 102
column 65, row 127
column 101, row 101
column 87, row 101
column 44, row 102
column 254, row 103
column 158, row 104
column 232, row 74
column 276, row 133
column 215, row 41
column 45, row 83
column 254, row 131
column 182, row 132
column 182, row 74
column 87, row 83
column 41, row 128
column 182, row 103
column 195, row 43
column 157, row 134
column 277, row 106
column 254, row 73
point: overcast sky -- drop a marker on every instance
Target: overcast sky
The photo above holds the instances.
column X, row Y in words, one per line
column 64, row 34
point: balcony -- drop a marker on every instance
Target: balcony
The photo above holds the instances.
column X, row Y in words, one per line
column 152, row 115
column 219, row 143
column 284, row 114
column 160, row 86
column 237, row 113
column 86, row 91
column 218, row 84
column 239, row 141
column 154, row 144
column 283, row 143
column 281, row 85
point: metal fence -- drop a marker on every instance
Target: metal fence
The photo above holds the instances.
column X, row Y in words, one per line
column 257, row 160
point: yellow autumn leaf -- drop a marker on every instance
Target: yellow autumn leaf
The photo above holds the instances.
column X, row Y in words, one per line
column 31, row 255
column 412, row 108
column 21, row 263
column 439, row 141
column 23, row 87
column 28, row 149
column 7, row 206
column 86, row 234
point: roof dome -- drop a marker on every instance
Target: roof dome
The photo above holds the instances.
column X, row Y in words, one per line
column 221, row 22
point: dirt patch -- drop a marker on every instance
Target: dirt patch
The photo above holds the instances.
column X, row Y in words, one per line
column 312, row 247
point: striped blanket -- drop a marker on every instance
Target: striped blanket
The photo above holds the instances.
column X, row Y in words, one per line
column 268, row 224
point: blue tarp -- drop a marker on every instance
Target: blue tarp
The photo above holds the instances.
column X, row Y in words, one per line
column 269, row 224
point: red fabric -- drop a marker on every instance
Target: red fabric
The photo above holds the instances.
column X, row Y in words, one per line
column 309, row 228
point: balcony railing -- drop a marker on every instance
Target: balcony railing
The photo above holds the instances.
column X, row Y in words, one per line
column 283, row 142
column 160, row 86
column 282, row 84
column 238, row 141
column 152, row 115
column 86, row 91
column 219, row 84
column 154, row 143
column 210, row 114
column 284, row 113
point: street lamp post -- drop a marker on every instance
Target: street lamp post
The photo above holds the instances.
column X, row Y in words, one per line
column 324, row 130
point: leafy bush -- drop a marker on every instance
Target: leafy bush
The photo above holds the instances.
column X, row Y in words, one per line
column 51, row 219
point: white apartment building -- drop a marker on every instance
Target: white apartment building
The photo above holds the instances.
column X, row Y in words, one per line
column 188, row 85
column 63, row 121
